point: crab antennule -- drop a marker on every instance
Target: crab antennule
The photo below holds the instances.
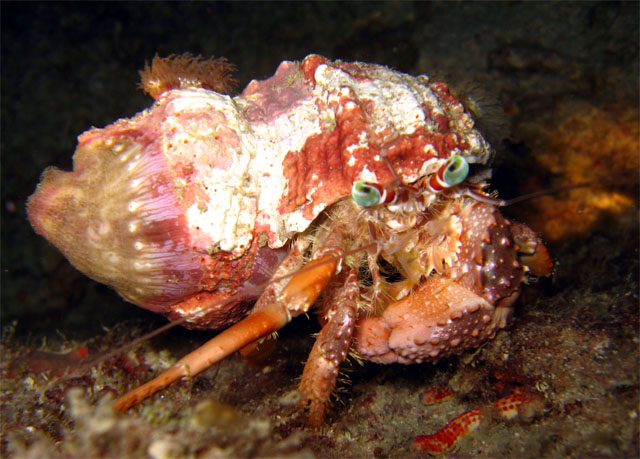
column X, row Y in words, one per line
column 296, row 298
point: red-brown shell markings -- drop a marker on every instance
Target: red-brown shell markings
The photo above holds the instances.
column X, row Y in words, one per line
column 374, row 112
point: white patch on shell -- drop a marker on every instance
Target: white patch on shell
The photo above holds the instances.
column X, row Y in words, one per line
column 396, row 97
column 430, row 166
column 270, row 143
column 250, row 179
column 368, row 176
column 196, row 123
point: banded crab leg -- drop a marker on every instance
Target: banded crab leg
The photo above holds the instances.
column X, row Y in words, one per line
column 339, row 314
column 296, row 298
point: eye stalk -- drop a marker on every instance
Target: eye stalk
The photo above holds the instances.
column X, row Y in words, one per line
column 367, row 194
column 452, row 173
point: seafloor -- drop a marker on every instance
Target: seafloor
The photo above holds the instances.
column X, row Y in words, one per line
column 565, row 75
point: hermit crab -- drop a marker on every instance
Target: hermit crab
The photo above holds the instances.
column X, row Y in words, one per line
column 344, row 185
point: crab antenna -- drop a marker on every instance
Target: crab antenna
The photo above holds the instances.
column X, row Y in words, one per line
column 385, row 158
column 549, row 191
column 525, row 197
column 485, row 199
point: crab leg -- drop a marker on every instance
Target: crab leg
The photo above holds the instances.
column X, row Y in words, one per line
column 257, row 351
column 340, row 311
column 296, row 298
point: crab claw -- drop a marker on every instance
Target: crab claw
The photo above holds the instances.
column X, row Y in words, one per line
column 532, row 252
column 438, row 319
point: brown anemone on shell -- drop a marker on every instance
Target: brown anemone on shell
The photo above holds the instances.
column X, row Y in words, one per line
column 187, row 71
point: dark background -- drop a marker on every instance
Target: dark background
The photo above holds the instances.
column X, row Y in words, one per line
column 69, row 66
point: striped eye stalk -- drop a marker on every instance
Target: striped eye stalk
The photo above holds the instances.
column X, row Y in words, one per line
column 453, row 172
column 367, row 194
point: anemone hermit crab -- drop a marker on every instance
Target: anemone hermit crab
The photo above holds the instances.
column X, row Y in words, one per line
column 349, row 182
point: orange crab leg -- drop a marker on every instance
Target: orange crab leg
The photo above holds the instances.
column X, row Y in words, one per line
column 296, row 298
column 436, row 395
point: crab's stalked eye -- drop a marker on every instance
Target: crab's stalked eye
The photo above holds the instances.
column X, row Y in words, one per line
column 455, row 171
column 367, row 194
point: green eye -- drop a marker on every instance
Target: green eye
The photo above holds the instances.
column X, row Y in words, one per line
column 456, row 171
column 365, row 194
